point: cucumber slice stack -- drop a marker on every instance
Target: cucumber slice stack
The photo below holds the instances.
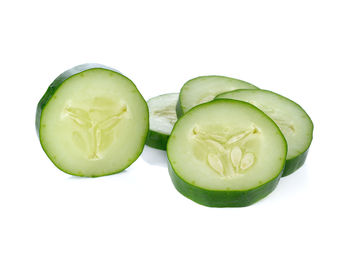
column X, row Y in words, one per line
column 293, row 121
column 162, row 117
column 226, row 153
column 92, row 121
column 204, row 89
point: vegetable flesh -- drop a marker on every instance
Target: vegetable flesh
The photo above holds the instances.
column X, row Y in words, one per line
column 92, row 121
column 162, row 117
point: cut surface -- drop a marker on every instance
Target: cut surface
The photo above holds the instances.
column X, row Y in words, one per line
column 226, row 145
column 204, row 89
column 94, row 124
column 162, row 114
column 293, row 121
column 162, row 119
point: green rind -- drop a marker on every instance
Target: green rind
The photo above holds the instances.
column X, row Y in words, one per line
column 215, row 198
column 179, row 109
column 294, row 163
column 55, row 85
column 224, row 198
column 157, row 140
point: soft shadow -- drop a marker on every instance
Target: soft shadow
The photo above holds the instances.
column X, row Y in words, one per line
column 77, row 178
column 295, row 182
column 154, row 156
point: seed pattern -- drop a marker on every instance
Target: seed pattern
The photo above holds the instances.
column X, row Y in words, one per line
column 216, row 163
column 247, row 161
column 216, row 145
column 225, row 153
column 236, row 157
column 94, row 127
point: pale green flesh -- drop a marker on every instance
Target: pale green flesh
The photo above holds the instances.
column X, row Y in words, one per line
column 95, row 124
column 226, row 145
column 204, row 89
column 162, row 113
column 293, row 121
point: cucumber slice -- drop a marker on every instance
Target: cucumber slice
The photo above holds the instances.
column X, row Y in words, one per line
column 204, row 89
column 162, row 117
column 293, row 121
column 92, row 121
column 226, row 153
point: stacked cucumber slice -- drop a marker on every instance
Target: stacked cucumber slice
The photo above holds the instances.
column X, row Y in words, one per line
column 217, row 154
column 228, row 142
column 204, row 89
column 233, row 152
column 161, row 119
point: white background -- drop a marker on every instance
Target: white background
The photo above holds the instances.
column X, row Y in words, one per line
column 297, row 48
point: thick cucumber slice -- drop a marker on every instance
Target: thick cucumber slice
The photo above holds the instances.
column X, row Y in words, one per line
column 204, row 89
column 92, row 121
column 226, row 153
column 293, row 121
column 162, row 117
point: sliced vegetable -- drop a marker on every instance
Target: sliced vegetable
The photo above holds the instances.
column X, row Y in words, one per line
column 293, row 121
column 226, row 153
column 162, row 117
column 204, row 88
column 92, row 121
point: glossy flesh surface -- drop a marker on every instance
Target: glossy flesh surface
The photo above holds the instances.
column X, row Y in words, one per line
column 94, row 121
column 162, row 117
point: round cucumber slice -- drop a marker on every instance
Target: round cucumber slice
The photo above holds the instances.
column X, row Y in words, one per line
column 204, row 89
column 92, row 121
column 293, row 121
column 162, row 117
column 226, row 153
